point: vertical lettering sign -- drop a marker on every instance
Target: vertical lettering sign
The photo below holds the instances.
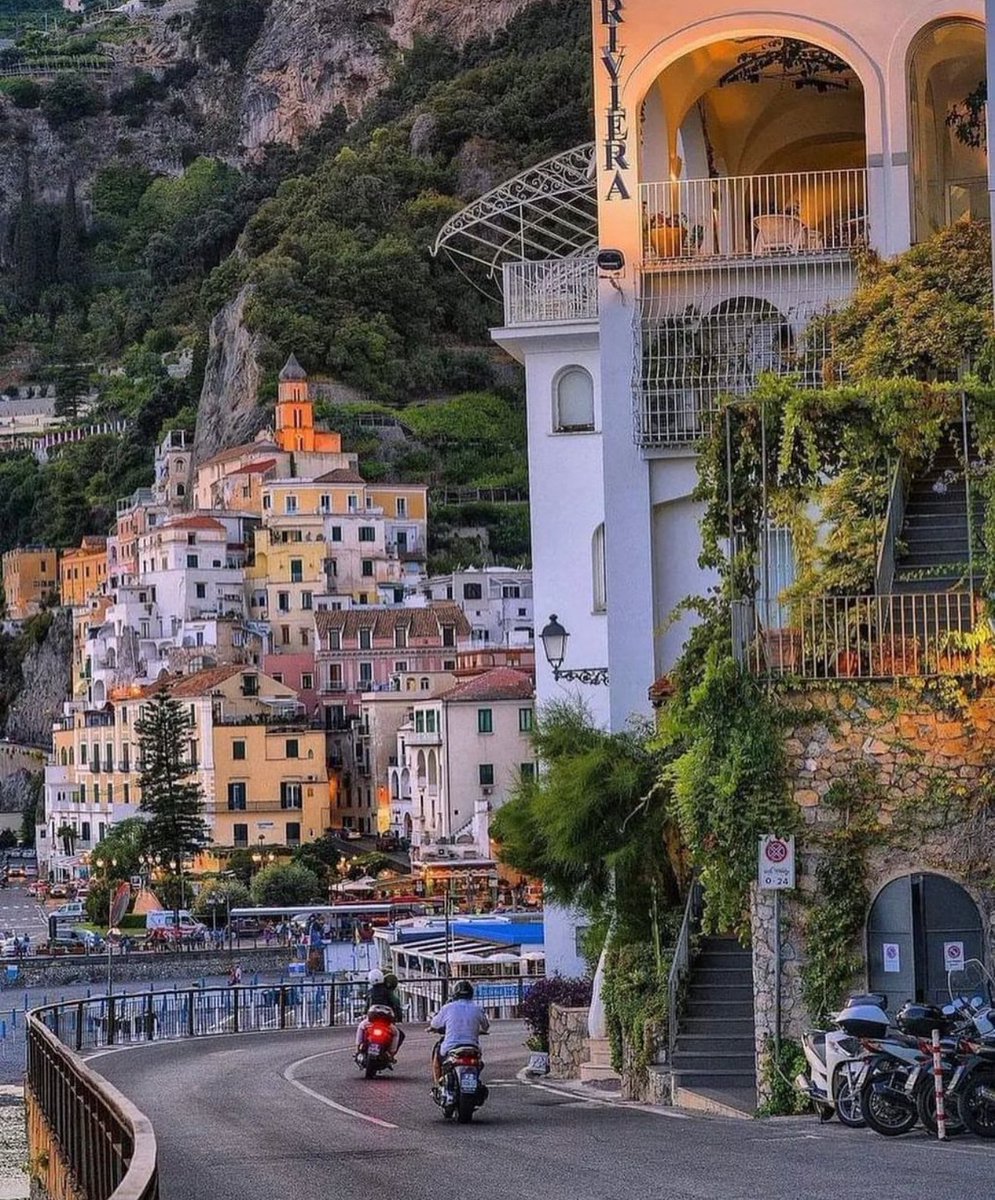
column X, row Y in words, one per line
column 616, row 159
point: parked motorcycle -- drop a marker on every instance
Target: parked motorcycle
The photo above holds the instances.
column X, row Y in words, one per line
column 462, row 1091
column 834, row 1060
column 374, row 1053
column 972, row 1085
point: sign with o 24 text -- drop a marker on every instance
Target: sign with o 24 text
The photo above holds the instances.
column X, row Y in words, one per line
column 776, row 864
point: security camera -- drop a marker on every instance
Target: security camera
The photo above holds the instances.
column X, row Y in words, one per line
column 611, row 261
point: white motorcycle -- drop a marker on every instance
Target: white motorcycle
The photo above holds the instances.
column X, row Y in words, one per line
column 835, row 1059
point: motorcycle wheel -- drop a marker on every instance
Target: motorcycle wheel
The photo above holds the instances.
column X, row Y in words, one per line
column 371, row 1068
column 977, row 1111
column 926, row 1110
column 881, row 1114
column 846, row 1097
column 464, row 1110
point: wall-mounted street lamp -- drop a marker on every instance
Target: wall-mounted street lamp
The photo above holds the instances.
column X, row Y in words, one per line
column 554, row 643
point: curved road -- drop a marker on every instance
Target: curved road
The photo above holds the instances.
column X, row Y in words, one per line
column 259, row 1116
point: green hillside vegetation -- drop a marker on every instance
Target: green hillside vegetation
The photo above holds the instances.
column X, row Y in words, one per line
column 333, row 239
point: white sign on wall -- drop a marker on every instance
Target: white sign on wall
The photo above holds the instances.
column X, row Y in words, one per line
column 953, row 956
column 892, row 957
column 776, row 865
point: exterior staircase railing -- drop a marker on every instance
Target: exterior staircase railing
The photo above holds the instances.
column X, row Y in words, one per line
column 681, row 963
column 884, row 576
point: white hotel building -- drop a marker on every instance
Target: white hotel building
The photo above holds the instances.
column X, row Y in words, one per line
column 741, row 156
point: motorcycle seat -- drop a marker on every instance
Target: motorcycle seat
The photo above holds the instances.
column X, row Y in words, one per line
column 380, row 1010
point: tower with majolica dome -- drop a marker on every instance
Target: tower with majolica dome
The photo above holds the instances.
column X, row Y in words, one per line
column 295, row 428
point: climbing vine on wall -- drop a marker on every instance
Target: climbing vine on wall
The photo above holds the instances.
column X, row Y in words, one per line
column 836, row 919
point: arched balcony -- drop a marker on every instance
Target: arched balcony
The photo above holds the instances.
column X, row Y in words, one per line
column 753, row 148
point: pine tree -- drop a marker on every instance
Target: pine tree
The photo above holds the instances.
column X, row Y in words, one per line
column 26, row 281
column 70, row 265
column 171, row 796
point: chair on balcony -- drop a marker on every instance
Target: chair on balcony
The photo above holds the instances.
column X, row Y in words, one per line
column 782, row 233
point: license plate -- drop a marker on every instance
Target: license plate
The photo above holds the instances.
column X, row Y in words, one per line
column 374, row 1051
column 468, row 1082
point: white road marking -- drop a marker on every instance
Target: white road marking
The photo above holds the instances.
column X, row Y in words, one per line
column 288, row 1074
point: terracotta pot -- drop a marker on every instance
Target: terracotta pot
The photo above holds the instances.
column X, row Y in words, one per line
column 848, row 664
column 667, row 240
column 783, row 649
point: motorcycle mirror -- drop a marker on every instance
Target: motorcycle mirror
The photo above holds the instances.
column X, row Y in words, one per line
column 978, row 1002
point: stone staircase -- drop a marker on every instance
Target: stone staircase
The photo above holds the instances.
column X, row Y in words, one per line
column 934, row 553
column 714, row 1061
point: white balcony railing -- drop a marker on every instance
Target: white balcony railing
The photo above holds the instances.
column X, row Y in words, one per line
column 802, row 214
column 550, row 291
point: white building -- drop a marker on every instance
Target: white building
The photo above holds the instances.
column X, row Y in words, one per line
column 458, row 760
column 740, row 159
column 497, row 601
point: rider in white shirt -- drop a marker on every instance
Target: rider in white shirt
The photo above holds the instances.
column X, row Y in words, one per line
column 460, row 1022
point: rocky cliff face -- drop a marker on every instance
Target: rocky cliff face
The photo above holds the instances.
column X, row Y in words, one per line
column 313, row 56
column 228, row 414
column 47, row 680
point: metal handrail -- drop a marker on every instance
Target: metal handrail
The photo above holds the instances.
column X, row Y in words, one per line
column 106, row 1148
column 884, row 575
column 105, row 1143
column 681, row 963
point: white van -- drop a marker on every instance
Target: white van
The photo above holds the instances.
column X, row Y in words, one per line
column 166, row 919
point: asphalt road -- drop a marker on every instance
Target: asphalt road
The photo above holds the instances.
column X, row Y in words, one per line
column 22, row 913
column 258, row 1116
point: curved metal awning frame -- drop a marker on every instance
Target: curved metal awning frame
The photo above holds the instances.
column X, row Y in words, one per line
column 548, row 211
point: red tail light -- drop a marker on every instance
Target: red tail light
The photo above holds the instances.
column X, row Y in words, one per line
column 465, row 1060
column 379, row 1033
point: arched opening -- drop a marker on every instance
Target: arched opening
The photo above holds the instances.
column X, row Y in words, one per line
column 919, row 925
column 573, row 401
column 754, row 146
column 947, row 103
column 740, row 340
column 433, row 770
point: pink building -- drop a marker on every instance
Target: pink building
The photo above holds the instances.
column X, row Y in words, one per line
column 296, row 671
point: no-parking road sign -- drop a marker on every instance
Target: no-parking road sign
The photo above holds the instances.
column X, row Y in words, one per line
column 776, row 865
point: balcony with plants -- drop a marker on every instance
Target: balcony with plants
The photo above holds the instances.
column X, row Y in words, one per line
column 852, row 522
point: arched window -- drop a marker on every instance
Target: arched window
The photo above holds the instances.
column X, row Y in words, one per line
column 181, row 490
column 64, row 757
column 599, row 571
column 573, row 401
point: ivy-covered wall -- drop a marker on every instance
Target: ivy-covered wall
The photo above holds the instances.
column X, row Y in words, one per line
column 889, row 780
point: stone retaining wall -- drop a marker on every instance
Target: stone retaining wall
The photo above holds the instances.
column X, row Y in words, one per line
column 910, row 742
column 567, row 1041
column 149, row 967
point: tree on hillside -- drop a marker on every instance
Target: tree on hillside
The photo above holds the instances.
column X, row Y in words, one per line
column 70, row 263
column 26, row 244
column 171, row 796
column 70, row 373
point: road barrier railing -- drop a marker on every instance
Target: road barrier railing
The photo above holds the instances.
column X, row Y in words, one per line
column 87, row 1142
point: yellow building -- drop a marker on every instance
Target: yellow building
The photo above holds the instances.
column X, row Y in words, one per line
column 82, row 572
column 29, row 576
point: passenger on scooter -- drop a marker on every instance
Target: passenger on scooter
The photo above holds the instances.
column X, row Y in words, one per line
column 461, row 1022
column 380, row 1002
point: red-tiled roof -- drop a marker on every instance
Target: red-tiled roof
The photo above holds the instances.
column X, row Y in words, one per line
column 500, row 683
column 194, row 522
column 340, row 475
column 420, row 622
column 200, row 683
column 255, row 468
column 261, row 447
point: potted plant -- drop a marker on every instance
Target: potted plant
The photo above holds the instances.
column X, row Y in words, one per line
column 667, row 232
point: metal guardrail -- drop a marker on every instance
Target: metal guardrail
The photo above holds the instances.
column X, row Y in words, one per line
column 884, row 575
column 105, row 1146
column 681, row 962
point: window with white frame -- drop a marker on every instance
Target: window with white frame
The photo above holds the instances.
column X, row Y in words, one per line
column 573, row 401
